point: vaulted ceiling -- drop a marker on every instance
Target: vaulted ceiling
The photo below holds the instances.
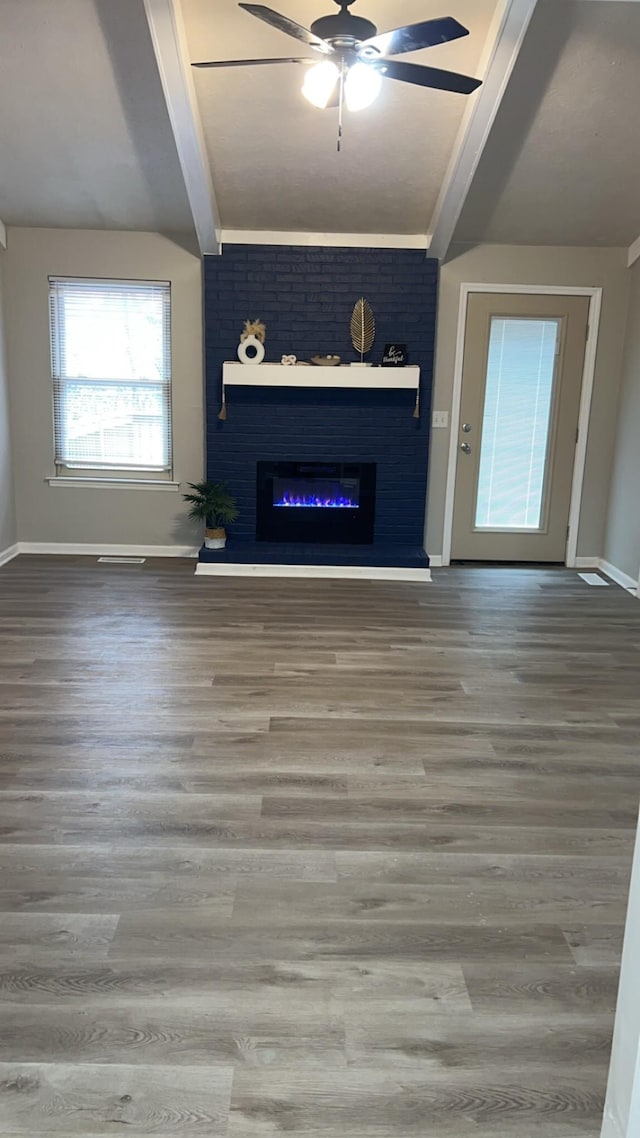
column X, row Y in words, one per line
column 562, row 166
column 87, row 138
column 274, row 156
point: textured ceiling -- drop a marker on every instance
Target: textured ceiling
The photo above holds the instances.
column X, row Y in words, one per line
column 85, row 139
column 562, row 166
column 273, row 155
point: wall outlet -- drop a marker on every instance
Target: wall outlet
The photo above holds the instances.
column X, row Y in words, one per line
column 440, row 419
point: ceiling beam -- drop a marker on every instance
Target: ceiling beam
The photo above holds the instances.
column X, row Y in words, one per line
column 503, row 46
column 634, row 253
column 328, row 240
column 170, row 45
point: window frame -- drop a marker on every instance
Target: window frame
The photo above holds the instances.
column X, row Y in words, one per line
column 115, row 474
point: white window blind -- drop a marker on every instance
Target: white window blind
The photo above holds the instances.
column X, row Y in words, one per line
column 111, row 361
column 521, row 375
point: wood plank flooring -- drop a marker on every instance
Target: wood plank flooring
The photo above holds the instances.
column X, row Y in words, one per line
column 325, row 859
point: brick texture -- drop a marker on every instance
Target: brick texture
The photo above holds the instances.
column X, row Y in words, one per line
column 305, row 296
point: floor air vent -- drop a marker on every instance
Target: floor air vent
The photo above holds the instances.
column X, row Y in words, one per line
column 122, row 560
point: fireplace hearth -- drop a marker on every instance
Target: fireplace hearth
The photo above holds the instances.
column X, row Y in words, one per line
column 325, row 502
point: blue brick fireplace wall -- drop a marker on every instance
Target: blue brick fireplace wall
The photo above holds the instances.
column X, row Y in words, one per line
column 306, row 296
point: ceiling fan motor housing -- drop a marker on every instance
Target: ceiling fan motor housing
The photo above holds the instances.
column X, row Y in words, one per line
column 343, row 28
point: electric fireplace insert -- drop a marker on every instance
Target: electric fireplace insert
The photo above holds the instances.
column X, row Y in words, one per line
column 328, row 502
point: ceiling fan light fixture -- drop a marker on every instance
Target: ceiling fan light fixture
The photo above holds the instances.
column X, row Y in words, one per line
column 320, row 83
column 362, row 86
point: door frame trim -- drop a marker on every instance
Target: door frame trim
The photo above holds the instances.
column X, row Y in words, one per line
column 586, row 395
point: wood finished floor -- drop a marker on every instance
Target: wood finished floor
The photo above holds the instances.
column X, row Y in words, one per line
column 315, row 858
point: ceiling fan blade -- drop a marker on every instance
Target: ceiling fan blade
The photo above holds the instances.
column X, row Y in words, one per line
column 249, row 62
column 428, row 76
column 289, row 27
column 414, row 37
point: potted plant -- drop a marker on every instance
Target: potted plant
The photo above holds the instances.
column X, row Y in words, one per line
column 214, row 505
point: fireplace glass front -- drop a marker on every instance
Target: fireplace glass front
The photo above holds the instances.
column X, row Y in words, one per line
column 315, row 502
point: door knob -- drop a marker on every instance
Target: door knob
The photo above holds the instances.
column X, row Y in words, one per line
column 466, row 427
column 465, row 447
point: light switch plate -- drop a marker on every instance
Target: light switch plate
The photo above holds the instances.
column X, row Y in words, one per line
column 440, row 419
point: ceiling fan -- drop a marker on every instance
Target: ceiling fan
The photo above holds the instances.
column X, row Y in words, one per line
column 356, row 57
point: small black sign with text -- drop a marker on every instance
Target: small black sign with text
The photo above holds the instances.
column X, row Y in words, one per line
column 394, row 355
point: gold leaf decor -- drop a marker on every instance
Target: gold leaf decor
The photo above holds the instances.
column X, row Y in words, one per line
column 363, row 327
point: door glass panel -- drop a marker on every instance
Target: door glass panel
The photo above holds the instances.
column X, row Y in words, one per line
column 516, row 422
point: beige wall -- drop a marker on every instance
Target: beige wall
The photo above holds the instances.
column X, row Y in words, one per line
column 622, row 542
column 145, row 517
column 82, row 515
column 8, row 532
column 501, row 264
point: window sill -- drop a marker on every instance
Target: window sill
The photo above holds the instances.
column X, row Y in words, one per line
column 63, row 482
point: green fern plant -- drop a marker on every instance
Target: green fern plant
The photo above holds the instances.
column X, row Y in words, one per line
column 212, row 503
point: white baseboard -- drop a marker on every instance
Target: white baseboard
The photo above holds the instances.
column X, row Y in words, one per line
column 610, row 1127
column 617, row 575
column 436, row 561
column 341, row 572
column 71, row 549
column 9, row 554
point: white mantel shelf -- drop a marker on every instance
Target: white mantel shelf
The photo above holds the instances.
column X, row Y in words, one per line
column 281, row 375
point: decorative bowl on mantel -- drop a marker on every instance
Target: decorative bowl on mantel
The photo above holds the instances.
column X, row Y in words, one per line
column 325, row 361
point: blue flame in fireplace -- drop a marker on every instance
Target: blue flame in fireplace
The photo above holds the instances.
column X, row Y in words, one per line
column 315, row 502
